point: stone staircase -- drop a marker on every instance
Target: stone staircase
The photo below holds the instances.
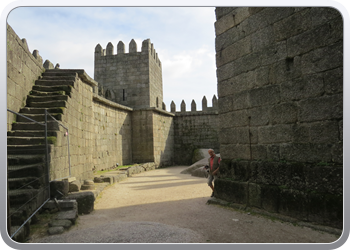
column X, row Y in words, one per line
column 28, row 181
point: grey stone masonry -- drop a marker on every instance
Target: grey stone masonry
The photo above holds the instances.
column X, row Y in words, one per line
column 280, row 98
column 23, row 69
column 133, row 79
column 195, row 129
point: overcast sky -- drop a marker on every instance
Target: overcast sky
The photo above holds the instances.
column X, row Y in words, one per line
column 183, row 37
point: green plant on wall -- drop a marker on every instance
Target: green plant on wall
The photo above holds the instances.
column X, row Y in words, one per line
column 52, row 140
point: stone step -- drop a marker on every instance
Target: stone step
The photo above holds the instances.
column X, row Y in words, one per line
column 27, row 149
column 66, row 88
column 59, row 76
column 43, row 93
column 51, row 125
column 26, row 170
column 34, row 182
column 25, row 133
column 25, row 159
column 50, row 83
column 20, row 212
column 38, row 117
column 31, row 98
column 48, row 104
column 16, row 140
column 27, row 110
column 64, row 73
column 21, row 196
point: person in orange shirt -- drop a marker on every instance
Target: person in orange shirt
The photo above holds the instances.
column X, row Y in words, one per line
column 214, row 162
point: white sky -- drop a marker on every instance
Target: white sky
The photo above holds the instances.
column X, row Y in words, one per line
column 183, row 37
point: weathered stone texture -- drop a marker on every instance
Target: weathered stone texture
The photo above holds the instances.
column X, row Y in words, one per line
column 133, row 79
column 23, row 68
column 280, row 86
column 194, row 130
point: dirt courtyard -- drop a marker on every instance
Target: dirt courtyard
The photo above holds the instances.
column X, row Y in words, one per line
column 163, row 200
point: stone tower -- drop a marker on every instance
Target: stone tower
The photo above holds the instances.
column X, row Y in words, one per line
column 132, row 79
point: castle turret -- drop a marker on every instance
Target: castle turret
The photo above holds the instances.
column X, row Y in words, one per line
column 133, row 79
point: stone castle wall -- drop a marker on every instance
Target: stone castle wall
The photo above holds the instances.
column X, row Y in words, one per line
column 23, row 68
column 163, row 139
column 103, row 133
column 280, row 87
column 194, row 130
column 99, row 133
column 133, row 79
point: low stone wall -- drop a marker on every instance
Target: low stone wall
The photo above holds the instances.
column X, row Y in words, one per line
column 308, row 192
column 194, row 130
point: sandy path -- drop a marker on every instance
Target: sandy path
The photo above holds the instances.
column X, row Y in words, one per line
column 168, row 198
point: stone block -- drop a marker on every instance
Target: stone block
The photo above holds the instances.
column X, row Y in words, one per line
column 262, row 38
column 270, row 196
column 246, row 63
column 98, row 179
column 74, row 186
column 241, row 170
column 333, row 81
column 224, row 23
column 274, row 53
column 283, row 113
column 302, row 152
column 293, row 25
column 88, row 185
column 324, row 179
column 59, row 188
column 321, row 108
column 264, row 96
column 271, row 173
column 254, row 195
column 238, row 135
column 226, row 71
column 234, row 51
column 259, row 152
column 281, row 133
column 242, row 82
column 337, row 153
column 70, row 215
column 108, row 178
column 309, row 40
column 85, row 201
column 61, row 223
column 294, row 203
column 322, row 15
column 259, row 116
column 55, row 230
column 322, row 59
column 231, row 191
column 235, row 151
column 120, row 177
column 324, row 132
column 302, row 88
column 233, row 119
column 222, row 11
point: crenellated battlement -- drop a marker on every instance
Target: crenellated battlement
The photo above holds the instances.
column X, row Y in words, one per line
column 146, row 48
column 132, row 79
column 194, row 110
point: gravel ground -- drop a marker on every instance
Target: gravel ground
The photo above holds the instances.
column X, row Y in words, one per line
column 164, row 206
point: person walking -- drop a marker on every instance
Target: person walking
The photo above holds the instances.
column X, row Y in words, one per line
column 213, row 162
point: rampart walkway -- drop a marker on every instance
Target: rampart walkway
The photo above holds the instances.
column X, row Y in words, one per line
column 165, row 206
